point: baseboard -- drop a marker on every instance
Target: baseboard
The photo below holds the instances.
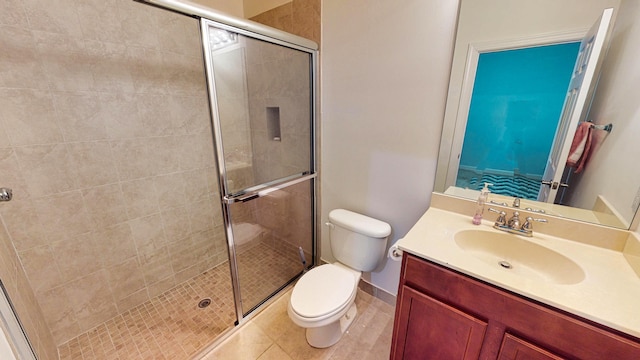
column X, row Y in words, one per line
column 377, row 292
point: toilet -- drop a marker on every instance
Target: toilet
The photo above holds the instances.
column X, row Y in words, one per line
column 323, row 299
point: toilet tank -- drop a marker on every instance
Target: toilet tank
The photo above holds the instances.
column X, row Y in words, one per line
column 357, row 241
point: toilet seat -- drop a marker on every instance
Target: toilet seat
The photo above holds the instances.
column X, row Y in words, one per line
column 322, row 292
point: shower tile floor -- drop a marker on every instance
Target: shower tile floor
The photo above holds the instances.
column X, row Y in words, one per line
column 171, row 326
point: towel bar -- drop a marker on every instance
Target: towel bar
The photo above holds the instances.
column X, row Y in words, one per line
column 606, row 128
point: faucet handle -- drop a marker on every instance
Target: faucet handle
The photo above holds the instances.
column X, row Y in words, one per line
column 500, row 221
column 528, row 224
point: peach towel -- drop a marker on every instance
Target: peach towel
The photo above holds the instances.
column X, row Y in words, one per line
column 580, row 147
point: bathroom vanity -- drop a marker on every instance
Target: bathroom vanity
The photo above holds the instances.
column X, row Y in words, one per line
column 561, row 298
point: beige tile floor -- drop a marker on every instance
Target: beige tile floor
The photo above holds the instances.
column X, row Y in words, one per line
column 272, row 335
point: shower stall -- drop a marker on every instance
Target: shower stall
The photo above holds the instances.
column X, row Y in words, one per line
column 164, row 181
column 261, row 89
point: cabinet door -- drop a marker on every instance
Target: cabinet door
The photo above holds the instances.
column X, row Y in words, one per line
column 514, row 348
column 429, row 329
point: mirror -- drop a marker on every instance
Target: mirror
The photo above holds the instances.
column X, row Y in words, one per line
column 607, row 191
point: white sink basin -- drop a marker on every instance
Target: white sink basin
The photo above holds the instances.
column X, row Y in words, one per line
column 519, row 256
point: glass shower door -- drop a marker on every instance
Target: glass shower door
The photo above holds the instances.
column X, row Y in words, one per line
column 271, row 234
column 262, row 96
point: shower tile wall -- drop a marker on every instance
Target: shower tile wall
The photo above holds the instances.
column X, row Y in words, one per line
column 300, row 17
column 24, row 300
column 105, row 140
column 278, row 77
column 232, row 98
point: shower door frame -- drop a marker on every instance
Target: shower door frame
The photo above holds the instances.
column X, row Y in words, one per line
column 264, row 188
column 206, row 17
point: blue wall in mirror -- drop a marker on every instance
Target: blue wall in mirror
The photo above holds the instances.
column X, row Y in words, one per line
column 515, row 107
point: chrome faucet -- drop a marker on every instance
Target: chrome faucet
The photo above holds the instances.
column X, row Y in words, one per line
column 516, row 204
column 513, row 224
column 5, row 194
column 539, row 211
column 501, row 220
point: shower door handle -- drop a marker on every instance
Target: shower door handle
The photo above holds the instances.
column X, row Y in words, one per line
column 247, row 198
column 267, row 190
column 241, row 198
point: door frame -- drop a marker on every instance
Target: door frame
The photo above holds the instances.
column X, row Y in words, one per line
column 586, row 72
column 468, row 81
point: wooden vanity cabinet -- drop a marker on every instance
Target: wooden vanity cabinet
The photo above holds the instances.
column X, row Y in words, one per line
column 442, row 314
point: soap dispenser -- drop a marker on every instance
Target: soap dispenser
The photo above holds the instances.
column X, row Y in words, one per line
column 482, row 199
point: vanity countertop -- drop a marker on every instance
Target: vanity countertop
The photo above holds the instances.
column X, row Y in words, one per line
column 608, row 294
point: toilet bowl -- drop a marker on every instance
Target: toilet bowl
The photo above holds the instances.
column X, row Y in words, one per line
column 323, row 299
column 323, row 302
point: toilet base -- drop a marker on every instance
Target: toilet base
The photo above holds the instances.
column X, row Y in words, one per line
column 328, row 335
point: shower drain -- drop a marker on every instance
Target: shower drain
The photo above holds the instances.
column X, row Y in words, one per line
column 505, row 264
column 204, row 303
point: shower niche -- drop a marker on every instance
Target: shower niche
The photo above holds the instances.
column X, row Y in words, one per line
column 273, row 123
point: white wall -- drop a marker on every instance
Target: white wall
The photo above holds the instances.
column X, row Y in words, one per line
column 616, row 101
column 231, row 7
column 385, row 69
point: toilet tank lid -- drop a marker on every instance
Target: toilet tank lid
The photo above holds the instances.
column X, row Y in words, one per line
column 359, row 223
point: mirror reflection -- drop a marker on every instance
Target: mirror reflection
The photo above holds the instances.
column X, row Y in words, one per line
column 510, row 120
column 516, row 102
